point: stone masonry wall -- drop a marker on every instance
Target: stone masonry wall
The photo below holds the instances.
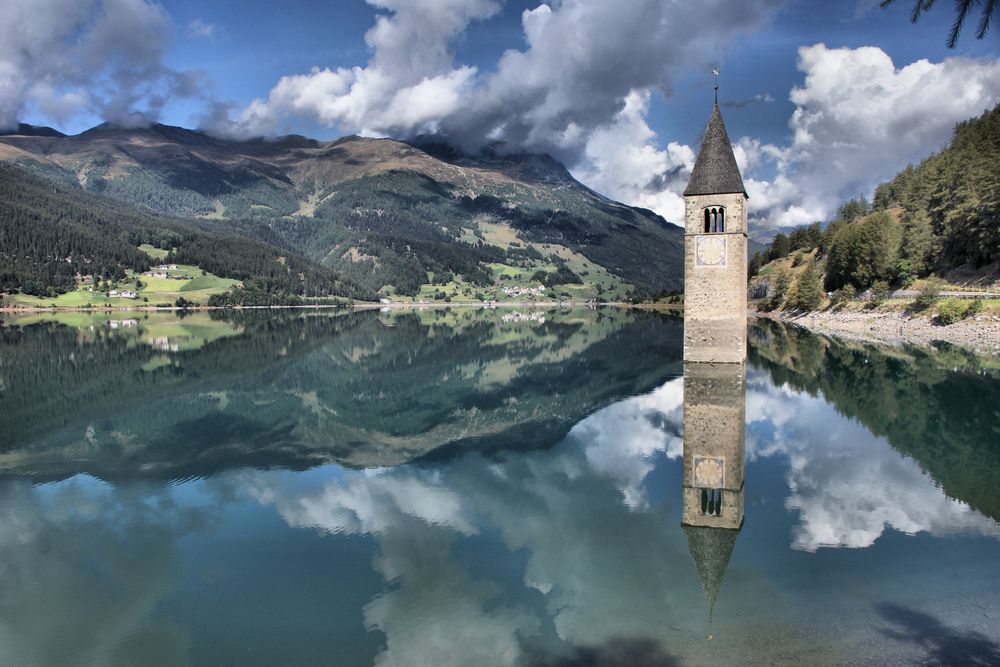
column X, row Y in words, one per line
column 714, row 417
column 715, row 297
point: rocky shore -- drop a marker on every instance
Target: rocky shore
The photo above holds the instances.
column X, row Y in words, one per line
column 980, row 333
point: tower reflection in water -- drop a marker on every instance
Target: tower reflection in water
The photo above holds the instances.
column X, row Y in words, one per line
column 712, row 514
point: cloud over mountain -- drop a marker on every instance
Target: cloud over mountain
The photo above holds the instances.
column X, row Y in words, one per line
column 409, row 84
column 100, row 57
column 581, row 61
column 579, row 86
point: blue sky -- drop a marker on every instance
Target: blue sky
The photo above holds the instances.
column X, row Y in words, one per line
column 255, row 44
column 619, row 91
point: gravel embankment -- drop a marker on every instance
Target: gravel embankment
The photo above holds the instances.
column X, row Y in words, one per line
column 981, row 333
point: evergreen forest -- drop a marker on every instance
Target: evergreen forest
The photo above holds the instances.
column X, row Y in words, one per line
column 939, row 215
column 51, row 233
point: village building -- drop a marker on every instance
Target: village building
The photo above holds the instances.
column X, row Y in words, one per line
column 517, row 316
column 524, row 291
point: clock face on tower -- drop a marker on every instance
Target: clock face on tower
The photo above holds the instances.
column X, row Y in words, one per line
column 710, row 251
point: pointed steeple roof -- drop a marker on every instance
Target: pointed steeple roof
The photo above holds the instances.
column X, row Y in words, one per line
column 711, row 549
column 715, row 170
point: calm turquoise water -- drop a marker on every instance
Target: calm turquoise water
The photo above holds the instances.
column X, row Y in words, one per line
column 485, row 488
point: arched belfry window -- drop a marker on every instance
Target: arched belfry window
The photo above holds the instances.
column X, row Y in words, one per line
column 711, row 502
column 715, row 219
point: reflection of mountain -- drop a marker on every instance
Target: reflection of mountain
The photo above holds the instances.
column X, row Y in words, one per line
column 566, row 555
column 949, row 422
column 360, row 389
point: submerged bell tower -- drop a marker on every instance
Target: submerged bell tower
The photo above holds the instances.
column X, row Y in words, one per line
column 715, row 351
column 712, row 500
column 715, row 251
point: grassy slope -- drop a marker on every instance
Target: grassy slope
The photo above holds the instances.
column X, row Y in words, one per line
column 598, row 282
column 155, row 253
column 195, row 287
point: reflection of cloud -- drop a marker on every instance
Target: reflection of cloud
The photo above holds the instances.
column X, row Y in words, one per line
column 845, row 500
column 84, row 566
column 603, row 569
column 577, row 550
column 595, row 563
column 846, row 484
column 371, row 503
column 436, row 613
column 620, row 440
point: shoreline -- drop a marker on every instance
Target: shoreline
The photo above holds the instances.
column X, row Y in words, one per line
column 31, row 310
column 980, row 334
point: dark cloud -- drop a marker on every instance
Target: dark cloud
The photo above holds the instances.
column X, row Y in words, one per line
column 582, row 60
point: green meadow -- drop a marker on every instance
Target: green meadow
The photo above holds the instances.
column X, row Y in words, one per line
column 186, row 281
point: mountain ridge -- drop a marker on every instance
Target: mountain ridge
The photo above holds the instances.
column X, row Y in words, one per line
column 358, row 204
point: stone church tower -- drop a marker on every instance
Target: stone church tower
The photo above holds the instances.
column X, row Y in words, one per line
column 715, row 252
column 715, row 350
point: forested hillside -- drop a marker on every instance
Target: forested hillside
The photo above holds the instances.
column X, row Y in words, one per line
column 931, row 218
column 951, row 201
column 47, row 236
column 51, row 233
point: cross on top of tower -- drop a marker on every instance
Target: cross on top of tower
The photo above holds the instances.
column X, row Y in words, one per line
column 715, row 73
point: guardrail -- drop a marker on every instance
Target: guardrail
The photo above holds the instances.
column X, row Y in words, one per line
column 944, row 294
column 762, row 291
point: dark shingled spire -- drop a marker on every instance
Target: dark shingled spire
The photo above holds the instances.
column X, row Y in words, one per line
column 715, row 171
column 711, row 549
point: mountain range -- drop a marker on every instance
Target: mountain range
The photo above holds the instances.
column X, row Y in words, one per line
column 388, row 217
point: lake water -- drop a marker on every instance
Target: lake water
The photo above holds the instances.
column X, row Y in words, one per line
column 460, row 487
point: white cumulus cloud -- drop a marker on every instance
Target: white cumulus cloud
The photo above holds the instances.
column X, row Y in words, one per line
column 858, row 120
column 64, row 58
column 410, row 83
column 579, row 89
column 622, row 161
